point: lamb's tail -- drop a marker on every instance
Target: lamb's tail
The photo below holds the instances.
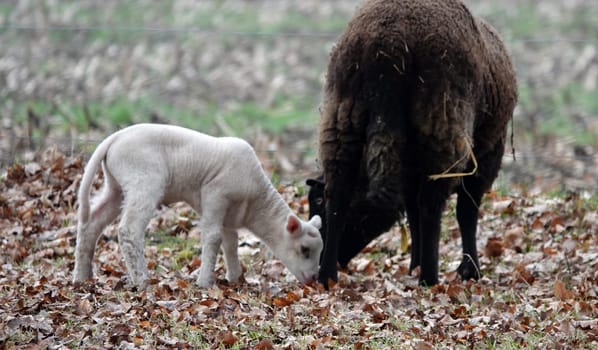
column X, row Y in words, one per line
column 88, row 175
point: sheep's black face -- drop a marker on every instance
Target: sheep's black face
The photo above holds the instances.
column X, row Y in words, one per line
column 353, row 239
column 317, row 204
column 315, row 197
column 367, row 218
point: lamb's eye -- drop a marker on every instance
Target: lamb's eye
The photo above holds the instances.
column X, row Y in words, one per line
column 319, row 201
column 305, row 252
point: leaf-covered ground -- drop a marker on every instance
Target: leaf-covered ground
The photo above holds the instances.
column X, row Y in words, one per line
column 539, row 290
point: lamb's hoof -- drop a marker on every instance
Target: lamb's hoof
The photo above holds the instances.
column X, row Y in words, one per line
column 240, row 279
column 205, row 284
column 468, row 269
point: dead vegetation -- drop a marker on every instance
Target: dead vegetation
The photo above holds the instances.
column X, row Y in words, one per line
column 539, row 289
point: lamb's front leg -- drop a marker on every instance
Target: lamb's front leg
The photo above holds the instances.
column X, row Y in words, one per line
column 210, row 245
column 230, row 246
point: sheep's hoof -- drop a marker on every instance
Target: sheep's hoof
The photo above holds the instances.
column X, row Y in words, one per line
column 328, row 278
column 428, row 281
column 469, row 269
column 414, row 268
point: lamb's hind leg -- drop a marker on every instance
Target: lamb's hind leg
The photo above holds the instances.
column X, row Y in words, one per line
column 211, row 225
column 137, row 211
column 104, row 210
column 230, row 248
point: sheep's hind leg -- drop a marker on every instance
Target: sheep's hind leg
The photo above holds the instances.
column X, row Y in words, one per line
column 105, row 208
column 468, row 202
column 432, row 200
column 413, row 219
column 230, row 248
column 469, row 198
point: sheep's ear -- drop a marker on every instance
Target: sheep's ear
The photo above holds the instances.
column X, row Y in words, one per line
column 315, row 182
column 316, row 221
column 293, row 224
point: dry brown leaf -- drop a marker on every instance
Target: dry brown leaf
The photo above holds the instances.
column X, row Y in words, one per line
column 513, row 238
column 264, row 344
column 521, row 274
column 506, row 206
column 537, row 225
column 281, row 302
column 83, row 307
column 561, row 291
column 227, row 338
column 494, row 247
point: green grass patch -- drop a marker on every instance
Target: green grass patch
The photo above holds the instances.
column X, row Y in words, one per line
column 273, row 119
column 183, row 248
column 109, row 115
column 560, row 109
column 581, row 20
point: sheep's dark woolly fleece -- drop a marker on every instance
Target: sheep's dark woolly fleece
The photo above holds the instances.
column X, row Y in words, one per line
column 414, row 88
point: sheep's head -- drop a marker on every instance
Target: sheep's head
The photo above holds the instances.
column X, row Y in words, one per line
column 352, row 240
column 365, row 221
column 315, row 198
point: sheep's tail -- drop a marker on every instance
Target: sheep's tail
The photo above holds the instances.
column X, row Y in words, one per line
column 91, row 169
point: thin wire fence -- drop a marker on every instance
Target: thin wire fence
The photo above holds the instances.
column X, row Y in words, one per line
column 259, row 34
column 79, row 143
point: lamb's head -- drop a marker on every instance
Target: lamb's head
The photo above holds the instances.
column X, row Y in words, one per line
column 301, row 247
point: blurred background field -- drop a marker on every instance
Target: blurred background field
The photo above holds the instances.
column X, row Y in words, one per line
column 72, row 72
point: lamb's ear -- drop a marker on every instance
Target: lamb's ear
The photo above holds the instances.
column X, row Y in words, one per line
column 293, row 224
column 316, row 221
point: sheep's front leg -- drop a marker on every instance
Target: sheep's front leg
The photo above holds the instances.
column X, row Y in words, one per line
column 341, row 150
column 336, row 210
column 230, row 246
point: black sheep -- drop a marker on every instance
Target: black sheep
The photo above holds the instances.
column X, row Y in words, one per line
column 414, row 88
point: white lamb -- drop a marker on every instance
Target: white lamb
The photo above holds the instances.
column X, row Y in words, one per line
column 221, row 178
